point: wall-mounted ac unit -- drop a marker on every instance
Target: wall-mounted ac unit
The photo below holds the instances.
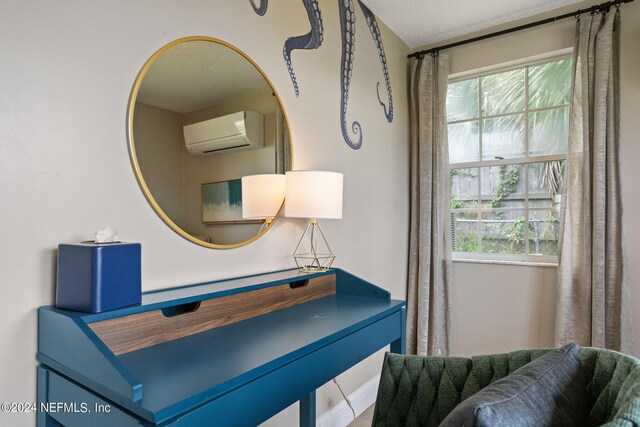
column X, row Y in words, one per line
column 235, row 132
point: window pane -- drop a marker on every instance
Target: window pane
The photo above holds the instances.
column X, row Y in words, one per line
column 464, row 226
column 503, row 137
column 502, row 186
column 503, row 232
column 545, row 184
column 550, row 84
column 462, row 100
column 510, row 209
column 503, row 93
column 543, row 234
column 463, row 142
column 464, row 188
column 549, row 131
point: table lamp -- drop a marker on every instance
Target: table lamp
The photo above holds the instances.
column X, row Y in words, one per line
column 313, row 195
column 262, row 197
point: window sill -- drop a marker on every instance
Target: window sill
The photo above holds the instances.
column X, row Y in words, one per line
column 506, row 262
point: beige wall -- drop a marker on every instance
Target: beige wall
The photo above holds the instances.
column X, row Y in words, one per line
column 67, row 70
column 157, row 136
column 505, row 307
column 499, row 308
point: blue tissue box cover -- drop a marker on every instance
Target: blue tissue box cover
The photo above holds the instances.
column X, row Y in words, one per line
column 94, row 277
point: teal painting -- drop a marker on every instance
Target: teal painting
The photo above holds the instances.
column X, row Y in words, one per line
column 222, row 202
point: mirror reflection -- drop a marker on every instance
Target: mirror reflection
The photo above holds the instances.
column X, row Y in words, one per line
column 202, row 116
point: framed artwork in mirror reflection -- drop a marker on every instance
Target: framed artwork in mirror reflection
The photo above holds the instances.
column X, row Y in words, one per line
column 222, row 203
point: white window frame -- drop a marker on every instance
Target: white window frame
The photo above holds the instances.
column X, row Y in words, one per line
column 519, row 259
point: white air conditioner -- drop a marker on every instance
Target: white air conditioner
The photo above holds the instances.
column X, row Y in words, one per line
column 235, row 132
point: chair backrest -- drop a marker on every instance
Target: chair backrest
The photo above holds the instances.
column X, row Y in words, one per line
column 421, row 391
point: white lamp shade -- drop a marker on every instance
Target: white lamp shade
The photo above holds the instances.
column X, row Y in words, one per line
column 262, row 195
column 313, row 194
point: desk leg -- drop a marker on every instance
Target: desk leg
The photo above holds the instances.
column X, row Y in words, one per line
column 42, row 418
column 399, row 346
column 308, row 410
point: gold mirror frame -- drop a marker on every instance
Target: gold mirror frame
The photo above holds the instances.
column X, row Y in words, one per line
column 132, row 151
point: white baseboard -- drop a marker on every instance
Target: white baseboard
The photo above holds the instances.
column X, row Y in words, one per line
column 340, row 415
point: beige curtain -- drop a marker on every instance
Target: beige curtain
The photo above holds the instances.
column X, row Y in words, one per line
column 429, row 279
column 593, row 304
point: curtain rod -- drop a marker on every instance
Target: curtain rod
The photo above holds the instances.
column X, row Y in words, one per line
column 593, row 9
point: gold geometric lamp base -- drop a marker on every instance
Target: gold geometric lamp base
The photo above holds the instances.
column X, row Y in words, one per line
column 313, row 252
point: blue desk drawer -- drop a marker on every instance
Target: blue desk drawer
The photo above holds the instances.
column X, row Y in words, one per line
column 72, row 405
column 258, row 400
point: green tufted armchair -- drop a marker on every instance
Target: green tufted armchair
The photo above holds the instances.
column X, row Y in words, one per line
column 421, row 391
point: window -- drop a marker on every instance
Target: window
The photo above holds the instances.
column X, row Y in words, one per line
column 508, row 134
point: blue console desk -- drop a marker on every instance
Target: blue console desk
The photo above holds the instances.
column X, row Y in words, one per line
column 225, row 353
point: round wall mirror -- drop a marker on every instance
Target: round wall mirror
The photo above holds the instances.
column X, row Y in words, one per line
column 201, row 116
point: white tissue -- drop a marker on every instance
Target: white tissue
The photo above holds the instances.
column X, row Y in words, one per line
column 106, row 235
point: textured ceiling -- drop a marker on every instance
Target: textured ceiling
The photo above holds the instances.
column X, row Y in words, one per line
column 423, row 22
column 198, row 74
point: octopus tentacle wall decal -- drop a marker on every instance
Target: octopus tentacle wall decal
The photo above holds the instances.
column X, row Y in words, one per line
column 348, row 30
column 377, row 38
column 263, row 7
column 311, row 40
